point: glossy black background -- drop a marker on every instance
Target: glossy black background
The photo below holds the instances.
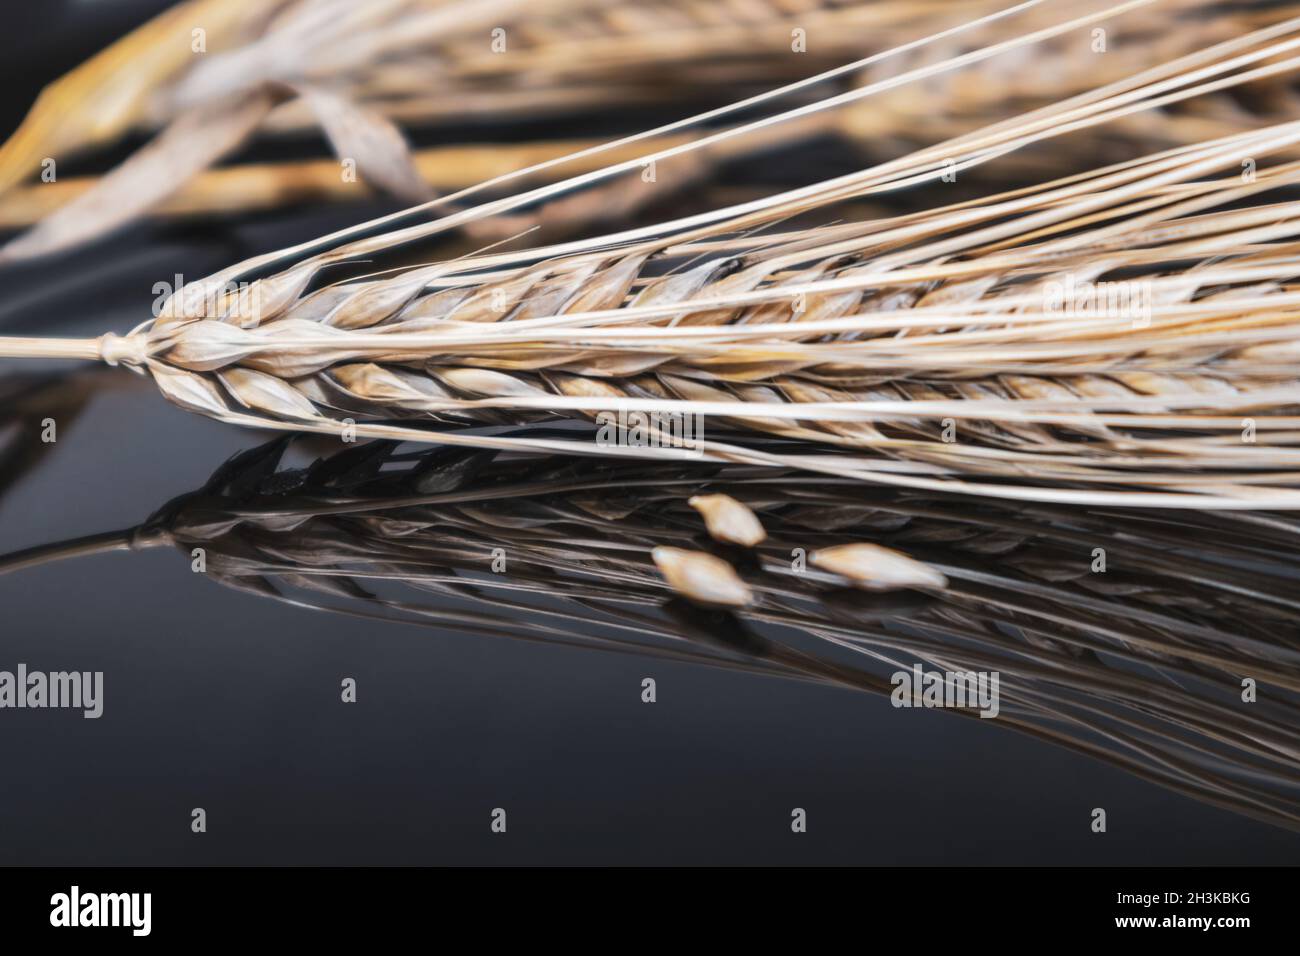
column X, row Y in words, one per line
column 225, row 701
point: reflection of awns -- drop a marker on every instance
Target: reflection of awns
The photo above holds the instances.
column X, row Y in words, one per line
column 1140, row 664
column 632, row 429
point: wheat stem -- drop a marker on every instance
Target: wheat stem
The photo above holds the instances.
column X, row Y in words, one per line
column 12, row 346
column 128, row 539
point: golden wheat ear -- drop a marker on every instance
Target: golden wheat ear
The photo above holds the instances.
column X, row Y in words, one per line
column 1123, row 336
column 896, row 364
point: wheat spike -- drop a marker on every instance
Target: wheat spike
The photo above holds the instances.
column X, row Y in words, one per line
column 864, row 337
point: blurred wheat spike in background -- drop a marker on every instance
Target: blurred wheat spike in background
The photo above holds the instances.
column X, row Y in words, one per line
column 364, row 72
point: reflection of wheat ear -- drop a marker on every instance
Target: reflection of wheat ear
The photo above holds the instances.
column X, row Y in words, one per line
column 1139, row 667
